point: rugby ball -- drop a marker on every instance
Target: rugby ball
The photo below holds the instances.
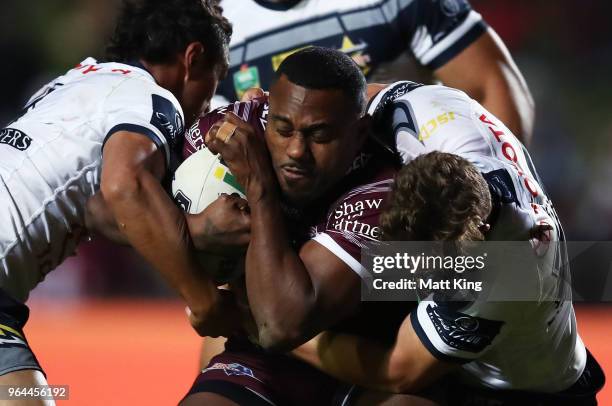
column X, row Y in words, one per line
column 198, row 182
column 200, row 179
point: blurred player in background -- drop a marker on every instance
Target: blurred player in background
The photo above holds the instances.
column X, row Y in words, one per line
column 492, row 352
column 164, row 62
column 445, row 36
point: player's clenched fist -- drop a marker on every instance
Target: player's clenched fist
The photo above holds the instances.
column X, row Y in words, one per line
column 244, row 153
column 223, row 319
column 223, row 227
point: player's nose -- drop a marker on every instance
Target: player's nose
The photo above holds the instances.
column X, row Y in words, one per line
column 297, row 148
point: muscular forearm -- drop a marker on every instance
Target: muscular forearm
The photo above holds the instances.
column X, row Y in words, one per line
column 279, row 287
column 99, row 220
column 351, row 359
column 404, row 367
column 367, row 363
column 156, row 228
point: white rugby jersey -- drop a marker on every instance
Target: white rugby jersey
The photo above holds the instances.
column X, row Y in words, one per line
column 370, row 31
column 504, row 345
column 50, row 160
column 423, row 118
column 517, row 345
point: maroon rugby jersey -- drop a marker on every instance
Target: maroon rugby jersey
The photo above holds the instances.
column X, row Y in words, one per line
column 346, row 218
column 343, row 220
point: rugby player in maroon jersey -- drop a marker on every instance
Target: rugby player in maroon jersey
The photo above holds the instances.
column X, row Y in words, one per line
column 315, row 185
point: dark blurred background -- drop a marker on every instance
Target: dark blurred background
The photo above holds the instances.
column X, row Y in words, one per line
column 563, row 48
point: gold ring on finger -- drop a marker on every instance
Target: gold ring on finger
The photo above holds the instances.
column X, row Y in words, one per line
column 226, row 132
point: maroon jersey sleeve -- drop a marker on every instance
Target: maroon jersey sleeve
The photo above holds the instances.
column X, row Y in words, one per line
column 352, row 222
column 254, row 111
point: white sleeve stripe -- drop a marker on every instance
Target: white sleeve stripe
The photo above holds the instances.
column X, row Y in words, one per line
column 430, row 54
column 325, row 240
column 432, row 335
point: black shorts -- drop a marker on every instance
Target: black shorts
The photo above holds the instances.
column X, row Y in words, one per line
column 15, row 352
column 251, row 376
column 450, row 392
column 582, row 393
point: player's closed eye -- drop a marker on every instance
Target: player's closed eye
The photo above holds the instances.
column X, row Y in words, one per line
column 323, row 139
column 320, row 136
column 284, row 131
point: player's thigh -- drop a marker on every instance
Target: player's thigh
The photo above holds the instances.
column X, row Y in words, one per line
column 24, row 379
column 207, row 398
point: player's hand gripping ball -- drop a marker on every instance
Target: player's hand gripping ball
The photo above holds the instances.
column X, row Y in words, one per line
column 203, row 181
column 203, row 176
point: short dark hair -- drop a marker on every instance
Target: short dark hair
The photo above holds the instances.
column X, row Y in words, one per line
column 325, row 68
column 437, row 197
column 156, row 30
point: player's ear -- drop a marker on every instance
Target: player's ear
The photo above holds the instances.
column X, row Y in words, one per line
column 484, row 228
column 193, row 59
column 363, row 126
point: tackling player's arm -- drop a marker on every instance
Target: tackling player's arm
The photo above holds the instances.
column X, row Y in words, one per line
column 222, row 228
column 99, row 220
column 452, row 40
column 405, row 367
column 132, row 169
column 486, row 71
